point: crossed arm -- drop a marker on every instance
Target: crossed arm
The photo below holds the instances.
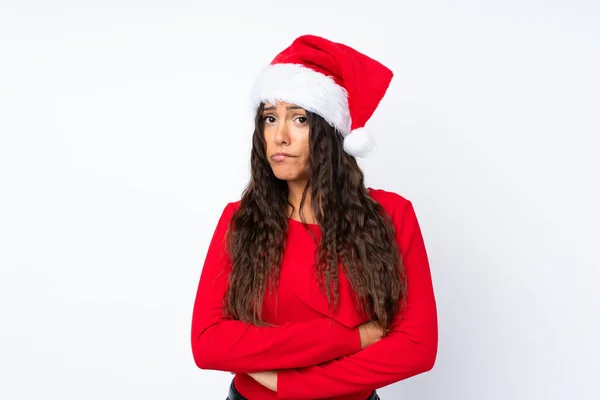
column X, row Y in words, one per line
column 322, row 358
column 231, row 345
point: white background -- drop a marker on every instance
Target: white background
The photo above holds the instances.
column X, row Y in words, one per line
column 125, row 129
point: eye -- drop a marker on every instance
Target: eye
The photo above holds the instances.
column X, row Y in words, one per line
column 267, row 120
column 302, row 120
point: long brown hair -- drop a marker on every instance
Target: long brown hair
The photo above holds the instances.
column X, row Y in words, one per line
column 356, row 232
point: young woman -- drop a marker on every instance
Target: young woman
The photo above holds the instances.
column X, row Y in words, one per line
column 314, row 285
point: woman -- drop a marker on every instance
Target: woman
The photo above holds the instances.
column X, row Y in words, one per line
column 315, row 286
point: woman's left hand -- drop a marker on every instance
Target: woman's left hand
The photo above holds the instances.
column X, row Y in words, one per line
column 268, row 379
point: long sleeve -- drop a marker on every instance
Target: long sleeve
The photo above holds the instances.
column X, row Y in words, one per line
column 409, row 349
column 231, row 345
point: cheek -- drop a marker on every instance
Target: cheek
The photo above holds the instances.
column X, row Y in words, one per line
column 268, row 137
column 303, row 140
column 305, row 153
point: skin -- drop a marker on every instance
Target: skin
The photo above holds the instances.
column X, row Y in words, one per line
column 286, row 130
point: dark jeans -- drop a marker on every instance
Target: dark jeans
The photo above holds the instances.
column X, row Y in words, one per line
column 235, row 395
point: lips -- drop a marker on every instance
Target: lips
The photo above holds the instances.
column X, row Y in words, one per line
column 281, row 156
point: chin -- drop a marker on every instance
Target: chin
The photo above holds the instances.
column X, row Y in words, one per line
column 286, row 177
column 285, row 174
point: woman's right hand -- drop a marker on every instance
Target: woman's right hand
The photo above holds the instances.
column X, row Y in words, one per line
column 370, row 332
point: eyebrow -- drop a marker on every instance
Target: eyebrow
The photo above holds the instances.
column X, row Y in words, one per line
column 287, row 108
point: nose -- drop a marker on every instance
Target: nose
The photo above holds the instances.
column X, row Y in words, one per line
column 282, row 134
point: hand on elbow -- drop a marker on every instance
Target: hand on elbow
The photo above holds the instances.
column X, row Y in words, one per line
column 370, row 332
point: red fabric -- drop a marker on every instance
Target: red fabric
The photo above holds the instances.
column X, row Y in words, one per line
column 365, row 79
column 317, row 355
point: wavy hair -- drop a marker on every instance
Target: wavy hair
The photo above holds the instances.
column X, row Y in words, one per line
column 356, row 232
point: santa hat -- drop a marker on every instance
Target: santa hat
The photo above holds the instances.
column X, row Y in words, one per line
column 330, row 79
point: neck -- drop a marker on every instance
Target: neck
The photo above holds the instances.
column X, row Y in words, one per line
column 295, row 189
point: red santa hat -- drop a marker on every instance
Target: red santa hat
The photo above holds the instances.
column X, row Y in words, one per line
column 330, row 79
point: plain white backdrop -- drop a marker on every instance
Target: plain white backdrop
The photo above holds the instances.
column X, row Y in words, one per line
column 125, row 128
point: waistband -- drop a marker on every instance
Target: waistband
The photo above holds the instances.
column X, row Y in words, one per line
column 235, row 395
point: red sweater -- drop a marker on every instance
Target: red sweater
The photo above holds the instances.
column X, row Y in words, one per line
column 316, row 356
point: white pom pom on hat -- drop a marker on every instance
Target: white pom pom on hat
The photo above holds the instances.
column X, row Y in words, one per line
column 330, row 79
column 359, row 142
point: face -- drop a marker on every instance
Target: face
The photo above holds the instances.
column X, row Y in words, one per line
column 286, row 133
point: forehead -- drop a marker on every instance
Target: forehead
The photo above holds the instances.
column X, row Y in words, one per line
column 280, row 104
